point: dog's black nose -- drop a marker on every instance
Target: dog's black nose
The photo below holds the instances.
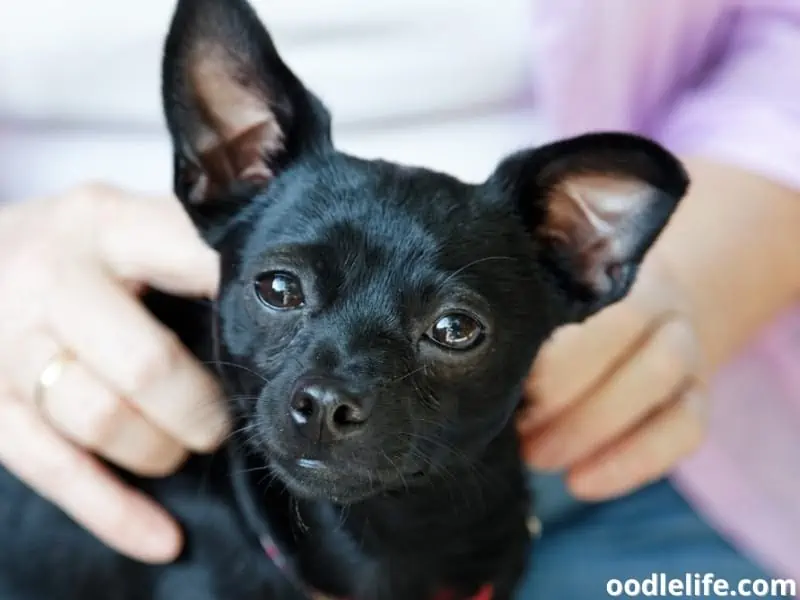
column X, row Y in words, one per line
column 325, row 410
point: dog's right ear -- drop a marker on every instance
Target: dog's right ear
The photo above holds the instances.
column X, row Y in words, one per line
column 594, row 205
column 236, row 113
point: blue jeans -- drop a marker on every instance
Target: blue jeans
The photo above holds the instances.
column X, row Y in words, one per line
column 654, row 530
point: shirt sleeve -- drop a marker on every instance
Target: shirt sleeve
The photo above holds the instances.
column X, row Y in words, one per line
column 747, row 111
column 718, row 79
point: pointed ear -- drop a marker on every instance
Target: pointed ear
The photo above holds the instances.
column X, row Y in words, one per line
column 594, row 205
column 237, row 115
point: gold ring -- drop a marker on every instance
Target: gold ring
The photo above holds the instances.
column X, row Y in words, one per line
column 50, row 375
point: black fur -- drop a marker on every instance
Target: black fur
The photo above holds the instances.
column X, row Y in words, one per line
column 415, row 485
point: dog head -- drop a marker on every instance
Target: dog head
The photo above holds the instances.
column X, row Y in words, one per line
column 376, row 320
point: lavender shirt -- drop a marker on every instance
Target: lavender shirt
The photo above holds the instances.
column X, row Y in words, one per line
column 717, row 78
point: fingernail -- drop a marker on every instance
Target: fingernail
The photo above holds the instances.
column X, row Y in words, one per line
column 164, row 540
column 529, row 420
column 523, row 419
column 160, row 539
column 223, row 430
column 217, row 432
column 219, row 427
column 597, row 484
column 584, row 486
column 546, row 453
column 211, row 260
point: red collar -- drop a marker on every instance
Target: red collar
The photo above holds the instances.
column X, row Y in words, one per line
column 274, row 553
column 485, row 593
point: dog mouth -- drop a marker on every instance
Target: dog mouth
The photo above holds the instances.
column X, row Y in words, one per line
column 316, row 479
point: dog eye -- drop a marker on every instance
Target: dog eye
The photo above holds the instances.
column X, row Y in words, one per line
column 457, row 331
column 280, row 290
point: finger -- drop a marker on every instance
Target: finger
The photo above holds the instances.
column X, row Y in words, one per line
column 650, row 378
column 123, row 518
column 599, row 345
column 647, row 454
column 89, row 413
column 150, row 240
column 115, row 337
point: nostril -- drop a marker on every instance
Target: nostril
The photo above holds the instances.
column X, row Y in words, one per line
column 304, row 405
column 348, row 414
column 302, row 408
column 325, row 410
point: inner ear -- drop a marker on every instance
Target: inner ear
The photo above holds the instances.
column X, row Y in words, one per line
column 236, row 113
column 601, row 223
column 238, row 133
column 594, row 205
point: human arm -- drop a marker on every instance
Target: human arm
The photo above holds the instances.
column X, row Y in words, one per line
column 734, row 250
column 619, row 401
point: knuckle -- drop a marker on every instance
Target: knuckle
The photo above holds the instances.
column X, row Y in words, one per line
column 26, row 292
column 30, row 263
column 161, row 462
column 154, row 362
column 207, row 443
column 673, row 358
column 91, row 192
column 92, row 201
column 681, row 335
column 666, row 367
column 632, row 315
column 693, row 422
column 693, row 436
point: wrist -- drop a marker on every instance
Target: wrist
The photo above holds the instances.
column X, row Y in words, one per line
column 733, row 254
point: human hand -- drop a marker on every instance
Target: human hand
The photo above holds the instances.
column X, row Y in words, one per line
column 85, row 371
column 618, row 400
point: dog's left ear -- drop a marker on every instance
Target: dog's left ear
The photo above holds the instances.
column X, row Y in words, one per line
column 236, row 113
column 594, row 205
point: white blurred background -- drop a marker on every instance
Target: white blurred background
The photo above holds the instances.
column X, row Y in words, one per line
column 441, row 83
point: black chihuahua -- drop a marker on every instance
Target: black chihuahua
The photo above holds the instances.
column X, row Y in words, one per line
column 372, row 331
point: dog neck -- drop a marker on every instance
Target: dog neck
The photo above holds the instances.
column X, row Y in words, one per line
column 450, row 534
